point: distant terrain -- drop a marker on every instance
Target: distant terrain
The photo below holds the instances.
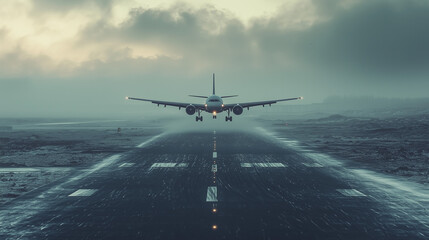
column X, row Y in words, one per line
column 387, row 135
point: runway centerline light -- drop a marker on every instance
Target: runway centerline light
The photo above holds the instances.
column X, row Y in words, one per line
column 214, row 227
column 214, row 210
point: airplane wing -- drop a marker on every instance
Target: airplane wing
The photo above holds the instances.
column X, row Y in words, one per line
column 263, row 103
column 165, row 103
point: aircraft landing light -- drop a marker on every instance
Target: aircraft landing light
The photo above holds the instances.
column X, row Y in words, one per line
column 214, row 113
column 126, row 98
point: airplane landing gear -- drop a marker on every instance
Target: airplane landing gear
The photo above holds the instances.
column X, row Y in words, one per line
column 214, row 116
column 228, row 118
column 199, row 118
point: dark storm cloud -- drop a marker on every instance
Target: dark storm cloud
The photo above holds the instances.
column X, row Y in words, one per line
column 372, row 36
column 179, row 31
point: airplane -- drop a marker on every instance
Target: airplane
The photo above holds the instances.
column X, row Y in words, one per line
column 214, row 104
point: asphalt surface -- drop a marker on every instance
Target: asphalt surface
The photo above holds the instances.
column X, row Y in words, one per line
column 168, row 188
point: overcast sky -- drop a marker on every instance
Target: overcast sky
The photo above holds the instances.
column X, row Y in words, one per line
column 82, row 57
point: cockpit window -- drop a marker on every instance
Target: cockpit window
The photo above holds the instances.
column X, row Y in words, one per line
column 213, row 100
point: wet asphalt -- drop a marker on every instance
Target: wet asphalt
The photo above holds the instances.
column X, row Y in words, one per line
column 209, row 185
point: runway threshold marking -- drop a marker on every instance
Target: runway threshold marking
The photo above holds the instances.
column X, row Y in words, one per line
column 126, row 165
column 83, row 193
column 264, row 165
column 351, row 192
column 211, row 194
column 168, row 165
column 312, row 165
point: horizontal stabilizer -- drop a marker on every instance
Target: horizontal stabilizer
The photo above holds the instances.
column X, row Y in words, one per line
column 198, row 96
column 229, row 96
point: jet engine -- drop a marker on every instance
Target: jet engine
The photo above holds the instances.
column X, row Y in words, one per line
column 237, row 110
column 190, row 109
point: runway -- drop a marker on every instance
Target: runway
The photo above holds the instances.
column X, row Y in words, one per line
column 217, row 185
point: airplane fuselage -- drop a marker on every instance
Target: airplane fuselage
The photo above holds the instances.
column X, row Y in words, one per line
column 214, row 104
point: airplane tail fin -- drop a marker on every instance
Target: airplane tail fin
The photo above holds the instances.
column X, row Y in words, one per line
column 214, row 84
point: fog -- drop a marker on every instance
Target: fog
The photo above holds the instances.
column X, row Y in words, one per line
column 55, row 61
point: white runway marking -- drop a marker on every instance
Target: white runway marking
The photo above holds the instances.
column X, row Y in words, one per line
column 126, row 165
column 211, row 194
column 106, row 162
column 214, row 154
column 168, row 165
column 263, row 165
column 83, row 193
column 312, row 164
column 25, row 169
column 246, row 165
column 214, row 168
column 149, row 141
column 159, row 165
column 351, row 193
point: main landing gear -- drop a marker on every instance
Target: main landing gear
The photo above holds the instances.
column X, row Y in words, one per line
column 199, row 118
column 228, row 118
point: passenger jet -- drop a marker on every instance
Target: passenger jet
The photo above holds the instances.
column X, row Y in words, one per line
column 214, row 104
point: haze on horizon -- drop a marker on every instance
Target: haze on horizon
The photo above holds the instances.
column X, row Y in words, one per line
column 81, row 58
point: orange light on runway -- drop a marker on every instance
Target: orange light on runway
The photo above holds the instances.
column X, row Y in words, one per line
column 214, row 210
column 214, row 227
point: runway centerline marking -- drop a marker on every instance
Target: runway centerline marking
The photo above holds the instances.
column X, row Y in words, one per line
column 83, row 193
column 211, row 194
column 315, row 165
column 264, row 165
column 126, row 165
column 214, row 154
column 168, row 165
column 351, row 192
